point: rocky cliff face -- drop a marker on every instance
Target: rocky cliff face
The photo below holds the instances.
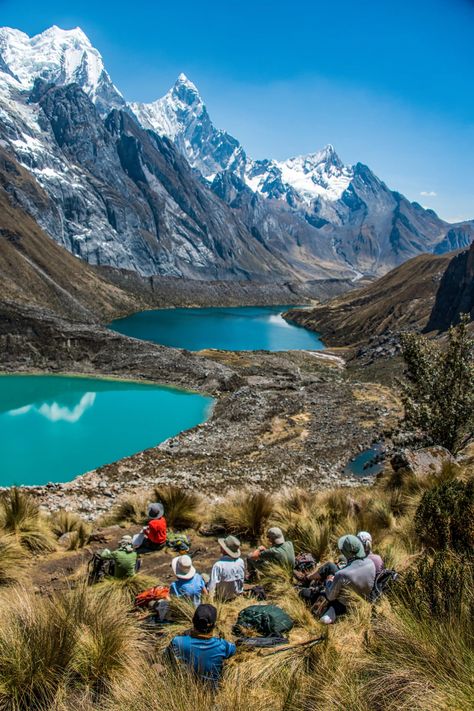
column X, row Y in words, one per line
column 455, row 294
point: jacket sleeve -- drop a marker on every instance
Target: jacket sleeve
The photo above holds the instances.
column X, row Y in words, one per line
column 215, row 578
column 106, row 554
column 333, row 590
column 230, row 649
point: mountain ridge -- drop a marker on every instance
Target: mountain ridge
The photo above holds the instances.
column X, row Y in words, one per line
column 166, row 192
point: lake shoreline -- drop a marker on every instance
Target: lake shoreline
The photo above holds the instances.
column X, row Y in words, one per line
column 279, row 419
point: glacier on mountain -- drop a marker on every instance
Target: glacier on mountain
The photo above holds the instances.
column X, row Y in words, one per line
column 61, row 57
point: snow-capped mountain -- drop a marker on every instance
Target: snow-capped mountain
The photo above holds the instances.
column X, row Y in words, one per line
column 59, row 57
column 181, row 115
column 158, row 189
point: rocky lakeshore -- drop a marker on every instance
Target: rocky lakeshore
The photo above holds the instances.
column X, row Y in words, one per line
column 289, row 418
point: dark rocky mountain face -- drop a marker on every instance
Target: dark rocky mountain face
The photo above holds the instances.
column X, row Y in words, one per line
column 117, row 194
column 458, row 237
column 455, row 294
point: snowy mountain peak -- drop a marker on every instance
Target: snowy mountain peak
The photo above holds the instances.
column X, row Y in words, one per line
column 58, row 56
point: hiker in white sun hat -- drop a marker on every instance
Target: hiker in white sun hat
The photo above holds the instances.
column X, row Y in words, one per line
column 188, row 584
column 228, row 573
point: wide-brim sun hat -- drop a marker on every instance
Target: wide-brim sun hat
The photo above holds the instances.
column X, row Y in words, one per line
column 183, row 567
column 156, row 510
column 351, row 546
column 231, row 545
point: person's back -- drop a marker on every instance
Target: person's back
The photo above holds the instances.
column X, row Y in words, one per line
column 191, row 589
column 228, row 573
column 282, row 553
column 205, row 655
column 357, row 576
column 377, row 561
column 201, row 651
column 227, row 578
column 124, row 558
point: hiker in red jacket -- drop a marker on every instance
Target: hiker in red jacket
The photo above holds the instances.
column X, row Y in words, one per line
column 153, row 536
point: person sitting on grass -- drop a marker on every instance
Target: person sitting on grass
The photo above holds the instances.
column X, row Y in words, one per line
column 125, row 558
column 153, row 536
column 228, row 573
column 188, row 584
column 279, row 551
column 199, row 649
column 366, row 539
column 357, row 576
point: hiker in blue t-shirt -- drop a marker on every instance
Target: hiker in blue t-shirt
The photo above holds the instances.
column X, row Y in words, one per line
column 199, row 649
column 188, row 583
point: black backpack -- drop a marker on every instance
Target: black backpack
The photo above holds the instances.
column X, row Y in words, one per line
column 383, row 581
column 266, row 620
column 304, row 562
column 98, row 569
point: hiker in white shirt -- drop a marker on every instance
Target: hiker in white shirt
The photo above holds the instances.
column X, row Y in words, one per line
column 228, row 573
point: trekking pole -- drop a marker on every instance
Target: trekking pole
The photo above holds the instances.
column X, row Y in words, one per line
column 308, row 643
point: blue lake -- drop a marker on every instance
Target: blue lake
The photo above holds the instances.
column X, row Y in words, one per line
column 234, row 329
column 53, row 428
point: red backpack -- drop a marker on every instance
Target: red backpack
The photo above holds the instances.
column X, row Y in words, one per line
column 160, row 592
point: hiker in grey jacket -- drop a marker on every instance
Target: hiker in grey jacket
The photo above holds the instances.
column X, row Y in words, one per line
column 357, row 576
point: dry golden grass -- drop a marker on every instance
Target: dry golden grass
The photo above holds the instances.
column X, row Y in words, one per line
column 20, row 517
column 183, row 508
column 245, row 514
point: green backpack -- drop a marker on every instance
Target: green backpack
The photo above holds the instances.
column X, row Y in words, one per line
column 266, row 620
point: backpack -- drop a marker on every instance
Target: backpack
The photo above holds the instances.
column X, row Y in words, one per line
column 98, row 568
column 266, row 620
column 160, row 592
column 383, row 582
column 304, row 562
column 178, row 542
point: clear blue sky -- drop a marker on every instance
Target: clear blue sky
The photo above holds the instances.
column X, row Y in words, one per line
column 390, row 84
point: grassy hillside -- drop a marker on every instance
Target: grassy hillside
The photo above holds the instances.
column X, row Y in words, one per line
column 64, row 646
column 402, row 298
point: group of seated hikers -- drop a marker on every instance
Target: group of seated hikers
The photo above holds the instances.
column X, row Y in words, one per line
column 326, row 588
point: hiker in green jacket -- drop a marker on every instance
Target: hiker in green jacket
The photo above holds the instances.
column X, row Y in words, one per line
column 124, row 558
column 279, row 551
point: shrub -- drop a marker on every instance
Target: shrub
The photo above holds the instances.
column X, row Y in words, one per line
column 440, row 586
column 445, row 516
column 309, row 536
column 244, row 514
column 20, row 517
column 438, row 392
column 182, row 507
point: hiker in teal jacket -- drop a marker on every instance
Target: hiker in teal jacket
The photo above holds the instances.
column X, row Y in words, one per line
column 124, row 558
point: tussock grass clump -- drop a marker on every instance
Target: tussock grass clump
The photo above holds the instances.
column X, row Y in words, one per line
column 12, row 561
column 245, row 514
column 63, row 521
column 309, row 536
column 20, row 517
column 124, row 588
column 130, row 510
column 183, row 508
column 55, row 647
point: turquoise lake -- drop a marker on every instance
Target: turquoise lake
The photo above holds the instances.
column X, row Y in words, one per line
column 235, row 329
column 53, row 428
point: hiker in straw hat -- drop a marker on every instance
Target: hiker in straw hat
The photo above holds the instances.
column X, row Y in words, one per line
column 228, row 573
column 188, row 584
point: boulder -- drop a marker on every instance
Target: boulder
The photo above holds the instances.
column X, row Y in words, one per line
column 422, row 462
